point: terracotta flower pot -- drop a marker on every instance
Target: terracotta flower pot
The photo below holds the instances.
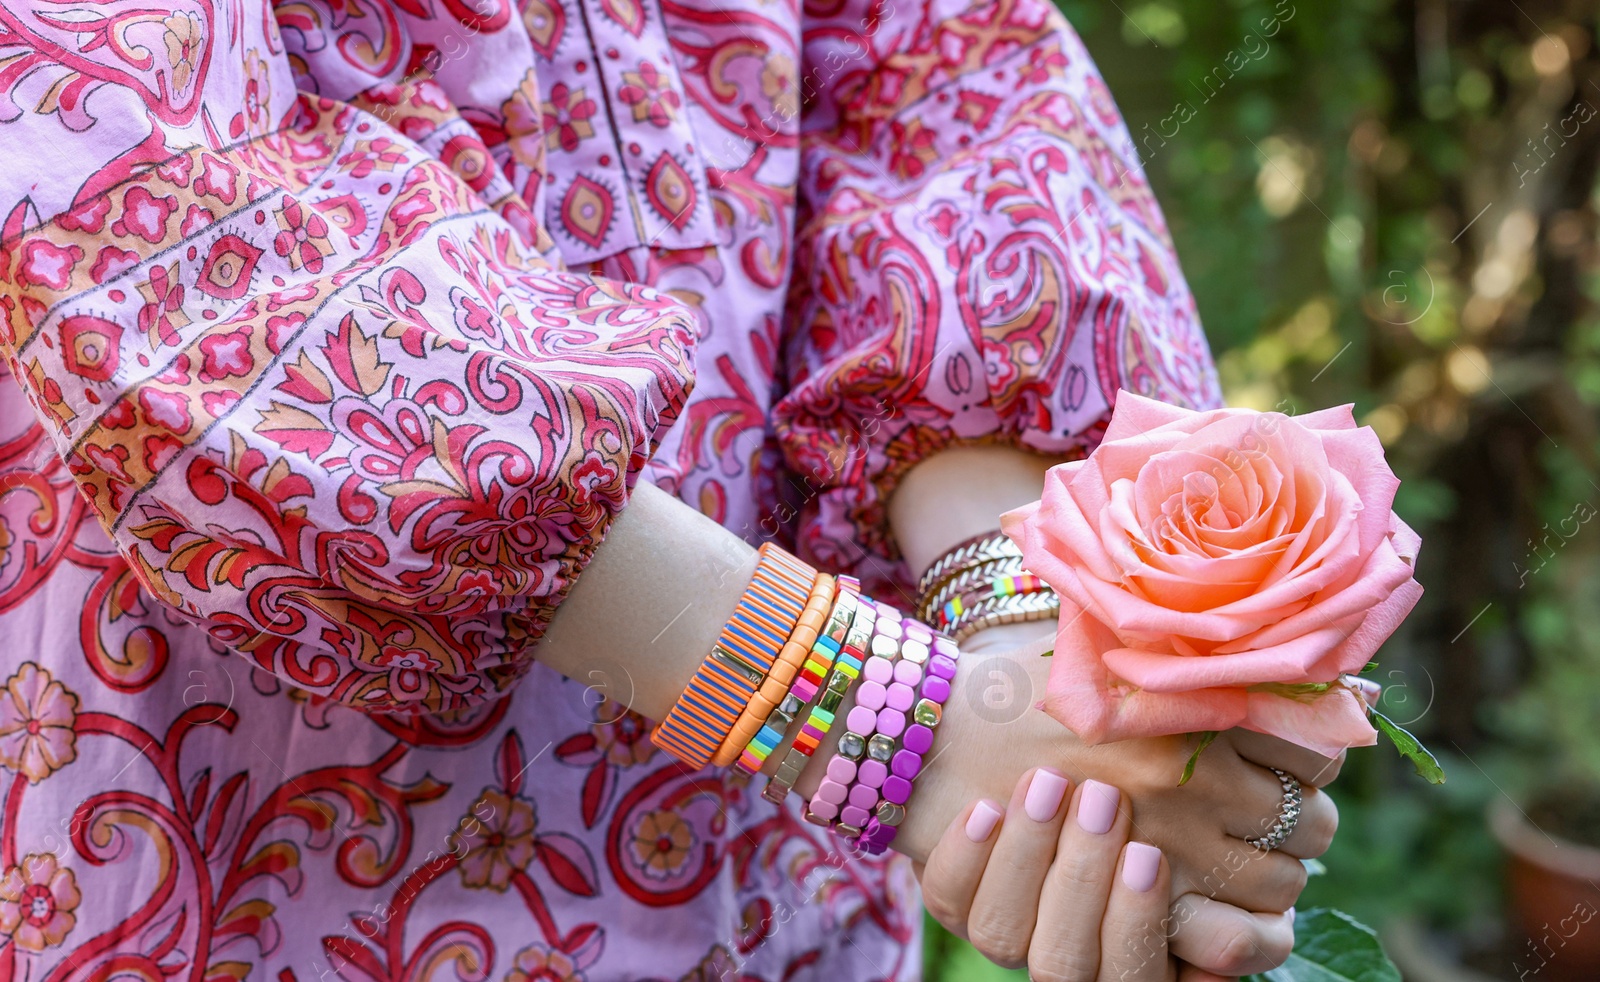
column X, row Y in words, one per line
column 1554, row 888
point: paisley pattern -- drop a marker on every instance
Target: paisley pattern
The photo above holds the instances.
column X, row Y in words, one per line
column 334, row 335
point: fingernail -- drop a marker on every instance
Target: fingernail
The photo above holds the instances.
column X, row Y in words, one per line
column 1097, row 807
column 1370, row 690
column 1290, row 912
column 1045, row 792
column 981, row 823
column 1141, row 864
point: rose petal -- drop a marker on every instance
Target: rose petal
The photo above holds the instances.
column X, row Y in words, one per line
column 1065, row 520
column 1383, row 574
column 1358, row 455
column 1328, row 724
column 1088, row 700
column 1363, row 643
column 1407, row 543
column 1332, row 418
column 1133, row 415
column 1162, row 672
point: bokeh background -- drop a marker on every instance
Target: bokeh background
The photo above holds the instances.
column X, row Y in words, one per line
column 1393, row 204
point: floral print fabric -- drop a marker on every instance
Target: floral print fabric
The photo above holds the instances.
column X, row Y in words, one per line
column 335, row 334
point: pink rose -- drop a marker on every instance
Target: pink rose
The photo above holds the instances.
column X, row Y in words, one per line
column 1208, row 560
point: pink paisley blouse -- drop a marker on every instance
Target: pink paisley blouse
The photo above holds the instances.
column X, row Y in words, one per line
column 336, row 332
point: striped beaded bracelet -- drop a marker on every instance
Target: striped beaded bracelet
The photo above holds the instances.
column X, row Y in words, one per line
column 776, row 687
column 740, row 661
column 812, row 674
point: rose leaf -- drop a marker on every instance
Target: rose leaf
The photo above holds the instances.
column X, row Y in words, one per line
column 1410, row 748
column 1332, row 946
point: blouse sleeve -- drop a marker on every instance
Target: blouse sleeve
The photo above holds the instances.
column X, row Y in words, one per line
column 329, row 404
column 981, row 259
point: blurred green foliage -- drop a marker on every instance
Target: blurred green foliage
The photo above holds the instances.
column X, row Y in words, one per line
column 1393, row 204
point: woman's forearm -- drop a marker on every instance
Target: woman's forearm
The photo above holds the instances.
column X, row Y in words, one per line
column 651, row 602
column 649, row 605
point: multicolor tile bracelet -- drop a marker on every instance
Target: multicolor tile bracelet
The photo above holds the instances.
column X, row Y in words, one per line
column 813, row 673
column 846, row 669
column 966, row 579
column 741, row 659
column 1007, row 585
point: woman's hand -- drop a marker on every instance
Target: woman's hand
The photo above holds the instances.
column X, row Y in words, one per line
column 1051, row 881
column 991, row 733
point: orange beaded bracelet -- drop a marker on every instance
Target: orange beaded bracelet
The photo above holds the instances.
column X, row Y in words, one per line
column 741, row 659
column 783, row 672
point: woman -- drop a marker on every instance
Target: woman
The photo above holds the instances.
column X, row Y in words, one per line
column 338, row 337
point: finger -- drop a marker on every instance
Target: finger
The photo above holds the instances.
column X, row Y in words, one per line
column 955, row 867
column 1248, row 877
column 1188, row 973
column 1310, row 767
column 1072, row 904
column 1256, row 796
column 1223, row 939
column 1133, row 934
column 1314, row 829
column 1006, row 906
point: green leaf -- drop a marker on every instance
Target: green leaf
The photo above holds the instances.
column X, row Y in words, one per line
column 1194, row 758
column 1332, row 946
column 1371, row 666
column 1410, row 748
column 1314, row 867
column 1047, row 653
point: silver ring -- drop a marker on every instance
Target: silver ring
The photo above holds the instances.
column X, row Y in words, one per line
column 1288, row 814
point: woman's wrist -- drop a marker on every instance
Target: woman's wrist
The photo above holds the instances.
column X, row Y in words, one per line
column 958, row 493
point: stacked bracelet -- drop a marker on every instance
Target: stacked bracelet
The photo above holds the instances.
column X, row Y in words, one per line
column 1006, row 610
column 917, row 741
column 968, row 579
column 864, row 751
column 731, row 677
column 976, row 551
column 776, row 688
column 982, row 583
column 846, row 669
column 797, row 642
column 956, row 609
column 906, row 682
column 812, row 675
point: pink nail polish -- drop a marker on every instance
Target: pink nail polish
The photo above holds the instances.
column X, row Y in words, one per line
column 1370, row 690
column 1045, row 792
column 1097, row 807
column 981, row 823
column 1141, row 864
